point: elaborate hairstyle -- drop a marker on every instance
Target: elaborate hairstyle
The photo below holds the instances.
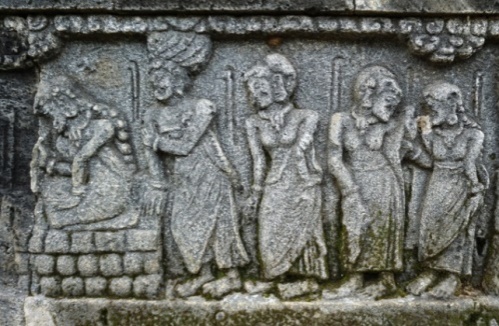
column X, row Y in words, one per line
column 63, row 96
column 256, row 72
column 177, row 54
column 367, row 82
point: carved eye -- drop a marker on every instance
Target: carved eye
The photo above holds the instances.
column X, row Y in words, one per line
column 453, row 96
column 370, row 83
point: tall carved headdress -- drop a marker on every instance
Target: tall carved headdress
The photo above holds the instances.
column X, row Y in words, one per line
column 180, row 54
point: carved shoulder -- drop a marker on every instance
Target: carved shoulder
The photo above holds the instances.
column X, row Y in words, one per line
column 309, row 115
column 475, row 135
column 205, row 106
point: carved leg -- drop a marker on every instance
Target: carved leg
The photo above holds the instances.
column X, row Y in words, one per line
column 447, row 287
column 384, row 286
column 421, row 283
column 229, row 283
column 191, row 286
column 349, row 285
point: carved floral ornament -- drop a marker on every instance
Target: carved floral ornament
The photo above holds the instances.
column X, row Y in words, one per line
column 35, row 38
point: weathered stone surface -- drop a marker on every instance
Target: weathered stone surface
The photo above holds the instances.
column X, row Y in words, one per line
column 72, row 287
column 121, row 286
column 88, row 265
column 82, row 242
column 50, row 286
column 253, row 311
column 152, row 263
column 44, row 264
column 12, row 306
column 66, row 265
column 249, row 162
column 147, row 286
column 95, row 286
column 276, row 6
column 142, row 240
column 133, row 263
column 110, row 241
column 111, row 265
column 57, row 242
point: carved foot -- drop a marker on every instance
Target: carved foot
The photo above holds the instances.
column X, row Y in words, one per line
column 376, row 291
column 190, row 287
column 217, row 289
column 446, row 288
column 385, row 286
column 253, row 287
column 297, row 289
column 348, row 288
column 421, row 283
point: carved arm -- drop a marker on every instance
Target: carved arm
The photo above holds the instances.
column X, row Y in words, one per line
column 103, row 132
column 335, row 159
column 475, row 145
column 189, row 134
column 308, row 128
column 258, row 156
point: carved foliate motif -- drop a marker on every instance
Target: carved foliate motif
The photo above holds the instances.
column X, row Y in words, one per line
column 443, row 41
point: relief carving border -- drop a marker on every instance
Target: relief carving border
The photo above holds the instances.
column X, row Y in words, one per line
column 37, row 38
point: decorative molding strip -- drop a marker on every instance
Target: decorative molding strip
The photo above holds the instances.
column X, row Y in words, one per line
column 35, row 38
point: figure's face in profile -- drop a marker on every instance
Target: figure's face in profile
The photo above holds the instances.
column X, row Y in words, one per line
column 387, row 97
column 162, row 86
column 169, row 82
column 261, row 92
column 442, row 110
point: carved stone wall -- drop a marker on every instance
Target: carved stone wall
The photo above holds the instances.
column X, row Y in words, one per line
column 205, row 157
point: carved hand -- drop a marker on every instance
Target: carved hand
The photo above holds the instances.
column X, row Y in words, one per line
column 74, row 134
column 424, row 123
column 79, row 172
column 477, row 188
column 411, row 124
column 149, row 135
column 305, row 141
column 153, row 201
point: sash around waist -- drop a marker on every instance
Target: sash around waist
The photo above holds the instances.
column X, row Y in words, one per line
column 452, row 165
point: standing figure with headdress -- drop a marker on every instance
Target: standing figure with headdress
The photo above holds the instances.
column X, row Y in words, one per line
column 287, row 185
column 454, row 193
column 204, row 218
column 365, row 159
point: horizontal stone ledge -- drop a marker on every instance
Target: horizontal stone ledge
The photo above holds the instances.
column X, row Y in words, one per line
column 261, row 24
column 252, row 6
column 254, row 310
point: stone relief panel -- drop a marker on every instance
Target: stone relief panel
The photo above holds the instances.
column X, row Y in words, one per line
column 221, row 156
